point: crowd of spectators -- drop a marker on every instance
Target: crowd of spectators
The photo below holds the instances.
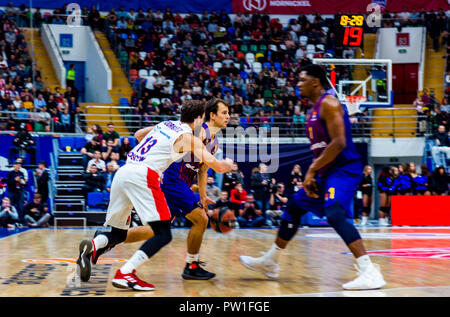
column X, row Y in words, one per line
column 103, row 154
column 250, row 60
column 23, row 205
column 23, row 96
column 257, row 204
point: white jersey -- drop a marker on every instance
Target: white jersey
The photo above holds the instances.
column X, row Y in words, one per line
column 155, row 151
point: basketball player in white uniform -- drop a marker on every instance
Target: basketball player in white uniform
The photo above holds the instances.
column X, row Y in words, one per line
column 137, row 184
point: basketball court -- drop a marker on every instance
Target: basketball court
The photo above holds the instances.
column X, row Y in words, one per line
column 413, row 260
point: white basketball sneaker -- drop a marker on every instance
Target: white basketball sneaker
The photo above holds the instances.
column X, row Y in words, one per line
column 262, row 264
column 370, row 278
column 364, row 221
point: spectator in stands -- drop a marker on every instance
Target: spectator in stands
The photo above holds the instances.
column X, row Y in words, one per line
column 23, row 143
column 16, row 187
column 441, row 117
column 98, row 132
column 89, row 149
column 439, row 181
column 223, row 202
column 384, row 182
column 212, row 191
column 366, row 188
column 37, row 213
column 108, row 149
column 9, row 217
column 116, row 160
column 111, row 134
column 261, row 185
column 94, row 181
column 278, row 202
column 405, row 181
column 238, row 196
column 250, row 214
column 42, row 180
column 422, row 184
column 442, row 146
column 125, row 148
column 97, row 161
column 294, row 177
column 111, row 169
column 20, row 160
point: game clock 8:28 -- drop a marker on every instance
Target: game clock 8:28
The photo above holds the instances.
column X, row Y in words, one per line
column 350, row 31
column 354, row 20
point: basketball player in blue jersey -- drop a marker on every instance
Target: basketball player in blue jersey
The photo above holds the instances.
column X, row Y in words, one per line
column 330, row 183
column 176, row 184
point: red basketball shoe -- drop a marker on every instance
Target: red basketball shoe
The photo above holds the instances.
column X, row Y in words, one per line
column 130, row 280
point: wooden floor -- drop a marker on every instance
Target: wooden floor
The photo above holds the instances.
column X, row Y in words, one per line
column 414, row 261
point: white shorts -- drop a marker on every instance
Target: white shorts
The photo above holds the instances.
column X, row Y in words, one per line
column 136, row 186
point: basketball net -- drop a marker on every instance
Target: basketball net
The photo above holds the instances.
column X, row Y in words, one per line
column 353, row 103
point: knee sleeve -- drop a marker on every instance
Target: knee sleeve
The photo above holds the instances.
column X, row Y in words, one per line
column 117, row 236
column 162, row 237
column 337, row 218
column 366, row 210
column 287, row 230
column 385, row 209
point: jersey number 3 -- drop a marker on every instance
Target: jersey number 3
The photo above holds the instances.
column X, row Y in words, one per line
column 146, row 146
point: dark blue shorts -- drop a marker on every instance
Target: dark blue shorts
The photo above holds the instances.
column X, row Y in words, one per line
column 179, row 196
column 340, row 186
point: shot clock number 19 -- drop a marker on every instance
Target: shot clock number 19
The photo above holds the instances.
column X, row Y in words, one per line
column 352, row 36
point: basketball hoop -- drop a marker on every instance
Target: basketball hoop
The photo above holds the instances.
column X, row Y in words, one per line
column 353, row 103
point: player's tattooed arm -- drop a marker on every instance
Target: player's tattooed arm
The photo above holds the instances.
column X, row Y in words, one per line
column 140, row 134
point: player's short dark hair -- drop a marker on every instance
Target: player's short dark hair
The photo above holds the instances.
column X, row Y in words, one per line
column 212, row 106
column 192, row 109
column 316, row 71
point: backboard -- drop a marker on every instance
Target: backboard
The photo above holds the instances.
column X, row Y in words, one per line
column 369, row 78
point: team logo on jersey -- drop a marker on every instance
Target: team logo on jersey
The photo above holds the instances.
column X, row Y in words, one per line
column 314, row 116
column 417, row 253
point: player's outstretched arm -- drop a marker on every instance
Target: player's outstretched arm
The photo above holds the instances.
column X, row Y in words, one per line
column 193, row 144
column 140, row 134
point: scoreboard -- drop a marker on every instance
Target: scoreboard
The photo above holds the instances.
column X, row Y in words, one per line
column 350, row 30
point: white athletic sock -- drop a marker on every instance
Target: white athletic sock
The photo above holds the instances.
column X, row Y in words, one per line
column 192, row 257
column 100, row 241
column 137, row 259
column 274, row 252
column 363, row 262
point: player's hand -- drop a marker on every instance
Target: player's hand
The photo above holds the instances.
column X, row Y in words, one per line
column 207, row 201
column 310, row 185
column 228, row 163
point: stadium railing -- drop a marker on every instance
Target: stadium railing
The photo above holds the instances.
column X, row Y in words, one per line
column 386, row 126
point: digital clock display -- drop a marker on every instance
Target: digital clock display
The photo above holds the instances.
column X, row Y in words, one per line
column 350, row 30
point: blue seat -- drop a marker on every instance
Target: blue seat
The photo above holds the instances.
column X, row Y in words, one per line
column 277, row 66
column 94, row 199
column 66, row 141
column 244, row 75
column 123, row 102
column 267, row 64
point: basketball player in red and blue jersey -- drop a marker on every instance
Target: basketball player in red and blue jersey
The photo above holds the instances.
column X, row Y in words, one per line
column 176, row 184
column 330, row 183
